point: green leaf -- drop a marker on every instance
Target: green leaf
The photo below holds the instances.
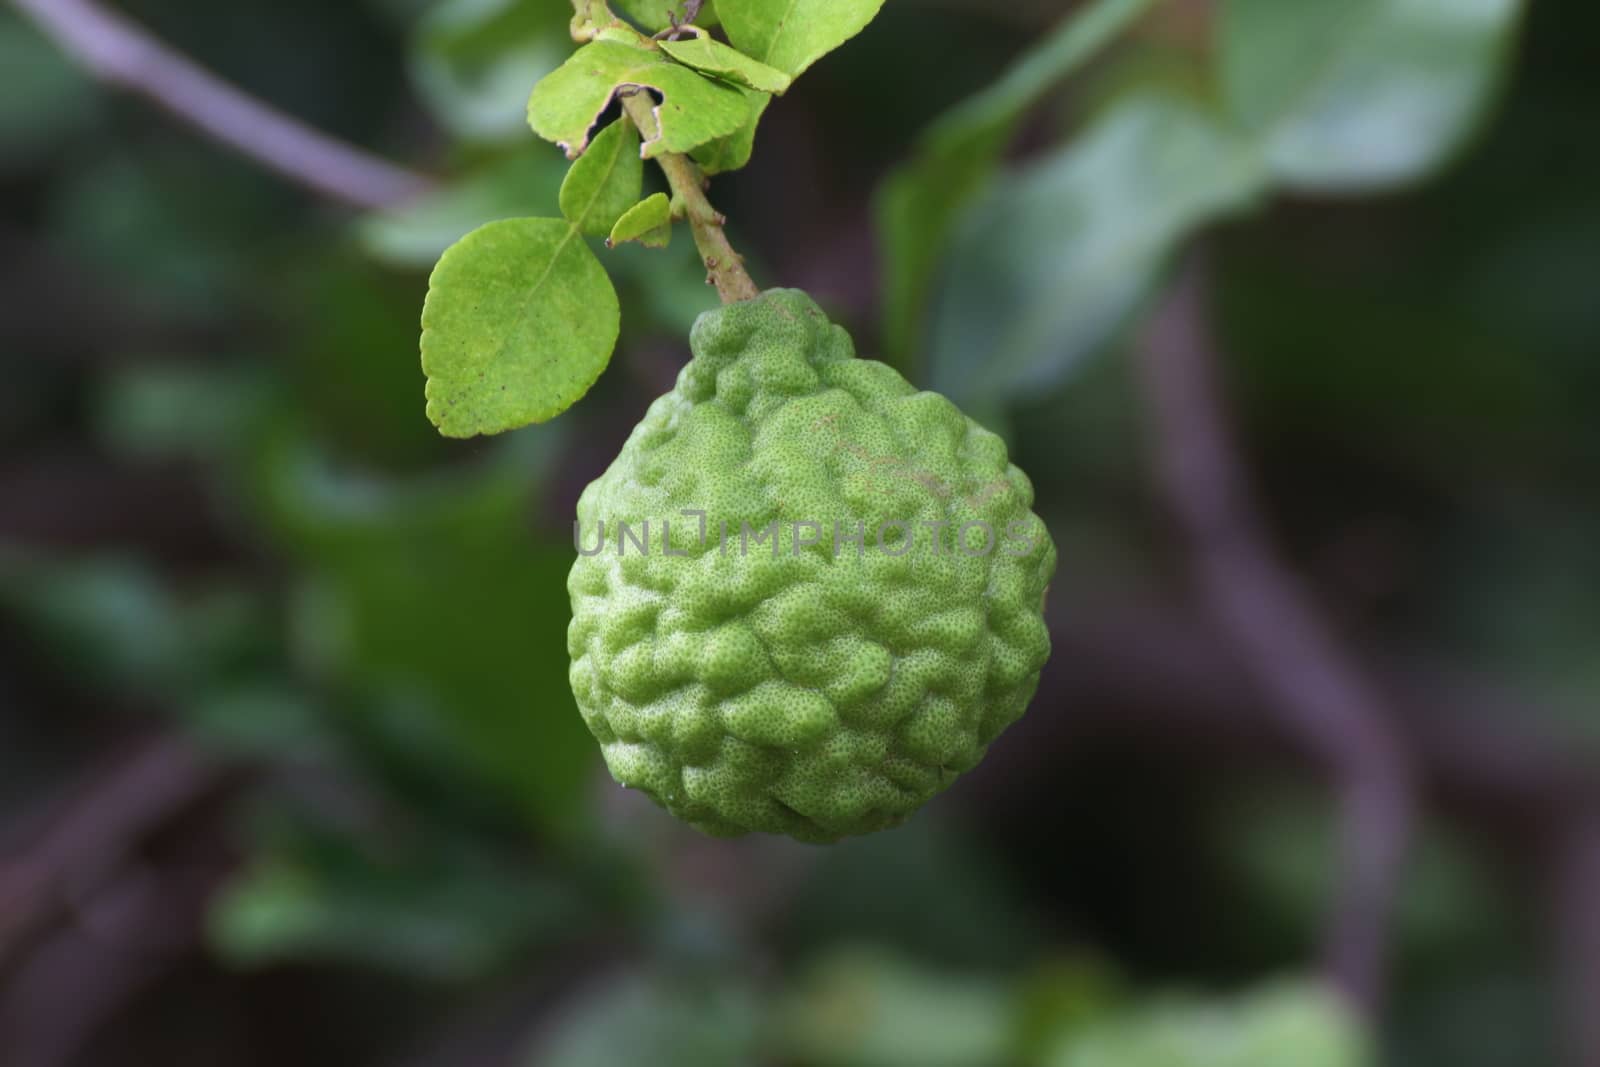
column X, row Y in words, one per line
column 113, row 619
column 733, row 151
column 665, row 1020
column 423, row 904
column 605, row 181
column 693, row 110
column 921, row 202
column 793, row 34
column 162, row 229
column 906, row 889
column 262, row 719
column 1048, row 265
column 414, row 605
column 47, row 100
column 1359, row 94
column 866, row 1006
column 473, row 60
column 1300, row 1024
column 1282, row 846
column 1321, row 94
column 519, row 322
column 654, row 15
column 710, row 56
column 649, row 222
column 160, row 411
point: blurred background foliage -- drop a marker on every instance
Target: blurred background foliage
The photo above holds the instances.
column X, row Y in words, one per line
column 289, row 766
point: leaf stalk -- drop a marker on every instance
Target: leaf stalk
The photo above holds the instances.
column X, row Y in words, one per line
column 724, row 266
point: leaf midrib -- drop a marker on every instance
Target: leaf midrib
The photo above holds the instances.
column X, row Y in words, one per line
column 574, row 226
column 778, row 32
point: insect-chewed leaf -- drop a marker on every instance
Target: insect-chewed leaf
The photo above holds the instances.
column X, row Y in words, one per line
column 649, row 222
column 520, row 321
column 793, row 34
column 711, row 56
column 733, row 151
column 605, row 181
column 694, row 109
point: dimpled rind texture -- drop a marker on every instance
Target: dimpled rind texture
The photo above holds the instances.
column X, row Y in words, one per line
column 803, row 684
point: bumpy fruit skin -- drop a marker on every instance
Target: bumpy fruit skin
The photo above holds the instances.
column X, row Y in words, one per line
column 811, row 689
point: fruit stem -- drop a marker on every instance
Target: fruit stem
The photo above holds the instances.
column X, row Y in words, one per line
column 724, row 266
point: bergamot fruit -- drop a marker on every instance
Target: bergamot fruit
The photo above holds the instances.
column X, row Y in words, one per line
column 807, row 596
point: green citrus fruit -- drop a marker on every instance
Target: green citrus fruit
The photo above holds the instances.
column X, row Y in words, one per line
column 807, row 596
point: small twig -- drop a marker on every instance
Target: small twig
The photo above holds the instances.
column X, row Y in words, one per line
column 1268, row 617
column 117, row 51
column 680, row 21
column 724, row 266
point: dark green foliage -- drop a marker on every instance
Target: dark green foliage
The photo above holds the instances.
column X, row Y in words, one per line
column 224, row 518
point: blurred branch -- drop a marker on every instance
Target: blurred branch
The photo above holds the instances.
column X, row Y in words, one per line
column 1577, row 928
column 67, row 501
column 1153, row 673
column 92, row 830
column 1156, row 676
column 1270, row 621
column 126, row 939
column 117, row 51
